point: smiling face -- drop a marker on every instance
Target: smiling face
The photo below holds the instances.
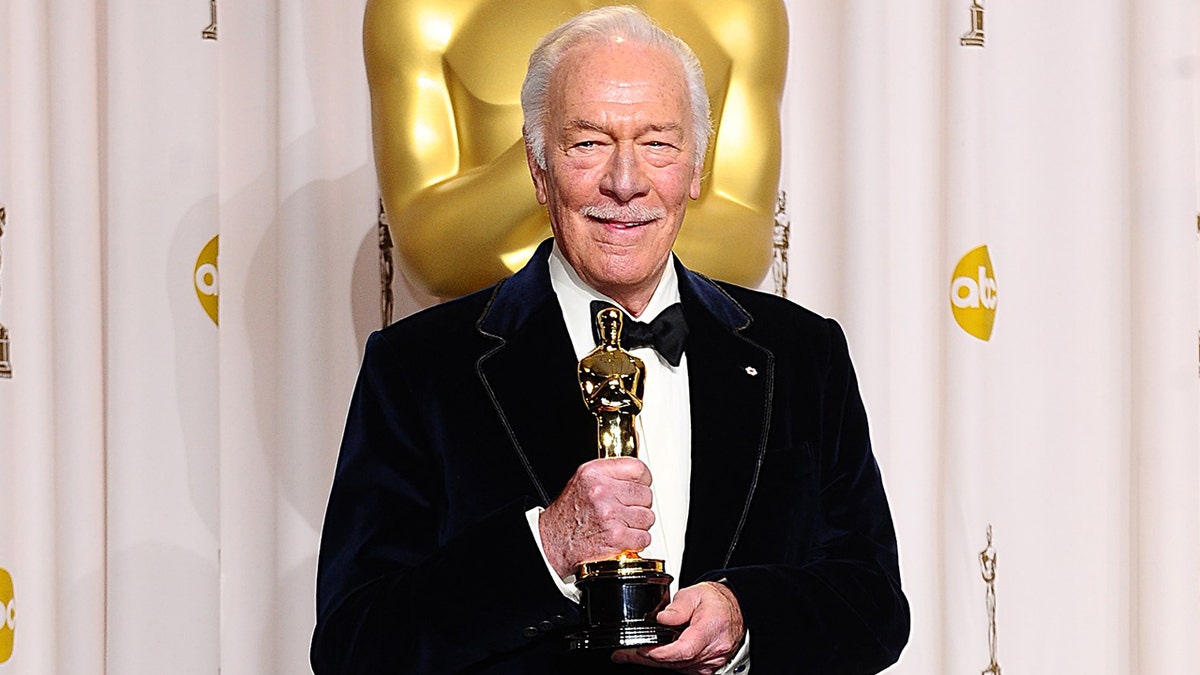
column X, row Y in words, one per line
column 620, row 165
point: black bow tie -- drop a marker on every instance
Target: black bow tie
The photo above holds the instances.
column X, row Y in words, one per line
column 667, row 333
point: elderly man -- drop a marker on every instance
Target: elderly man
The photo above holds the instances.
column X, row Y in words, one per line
column 467, row 488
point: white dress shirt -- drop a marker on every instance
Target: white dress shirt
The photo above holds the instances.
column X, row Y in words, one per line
column 664, row 426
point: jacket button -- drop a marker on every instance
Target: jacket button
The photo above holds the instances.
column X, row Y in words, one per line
column 546, row 626
column 530, row 631
column 559, row 620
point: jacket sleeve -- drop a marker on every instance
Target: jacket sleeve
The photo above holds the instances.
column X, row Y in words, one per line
column 394, row 592
column 838, row 607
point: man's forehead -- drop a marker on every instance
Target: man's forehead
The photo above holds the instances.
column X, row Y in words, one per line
column 618, row 65
column 629, row 81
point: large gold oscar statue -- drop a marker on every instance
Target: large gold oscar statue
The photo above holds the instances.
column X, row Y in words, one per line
column 445, row 79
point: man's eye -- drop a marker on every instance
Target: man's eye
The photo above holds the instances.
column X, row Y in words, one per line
column 585, row 144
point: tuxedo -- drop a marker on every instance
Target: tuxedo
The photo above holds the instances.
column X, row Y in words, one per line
column 468, row 414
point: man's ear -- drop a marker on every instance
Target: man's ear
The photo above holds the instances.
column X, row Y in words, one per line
column 537, row 173
column 694, row 190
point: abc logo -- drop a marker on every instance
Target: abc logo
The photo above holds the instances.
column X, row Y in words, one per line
column 8, row 615
column 207, row 280
column 973, row 294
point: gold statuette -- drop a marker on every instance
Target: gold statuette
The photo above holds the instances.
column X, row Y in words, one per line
column 210, row 31
column 987, row 567
column 619, row 597
column 5, row 362
column 612, row 381
column 975, row 36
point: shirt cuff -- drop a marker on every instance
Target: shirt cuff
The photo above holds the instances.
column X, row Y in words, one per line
column 740, row 663
column 565, row 586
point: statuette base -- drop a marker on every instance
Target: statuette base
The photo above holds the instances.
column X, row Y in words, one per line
column 619, row 604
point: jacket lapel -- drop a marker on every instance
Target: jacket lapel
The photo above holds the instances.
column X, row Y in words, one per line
column 530, row 376
column 731, row 382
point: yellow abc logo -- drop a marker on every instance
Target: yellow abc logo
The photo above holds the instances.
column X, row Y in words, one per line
column 207, row 279
column 973, row 293
column 8, row 615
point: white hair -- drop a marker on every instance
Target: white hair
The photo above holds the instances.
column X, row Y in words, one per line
column 600, row 25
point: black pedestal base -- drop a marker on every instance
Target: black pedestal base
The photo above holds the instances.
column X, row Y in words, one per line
column 619, row 610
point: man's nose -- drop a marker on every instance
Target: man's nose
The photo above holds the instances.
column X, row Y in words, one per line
column 624, row 179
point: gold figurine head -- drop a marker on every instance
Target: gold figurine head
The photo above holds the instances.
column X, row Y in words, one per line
column 610, row 321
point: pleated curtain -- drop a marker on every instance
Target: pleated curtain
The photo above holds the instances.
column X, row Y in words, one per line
column 998, row 201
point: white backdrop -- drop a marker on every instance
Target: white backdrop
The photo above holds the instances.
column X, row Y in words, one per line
column 162, row 480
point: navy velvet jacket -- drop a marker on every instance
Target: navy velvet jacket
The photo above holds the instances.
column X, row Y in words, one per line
column 469, row 413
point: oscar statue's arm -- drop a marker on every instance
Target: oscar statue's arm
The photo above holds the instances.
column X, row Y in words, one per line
column 736, row 208
column 612, row 396
column 452, row 215
column 441, row 226
column 412, row 121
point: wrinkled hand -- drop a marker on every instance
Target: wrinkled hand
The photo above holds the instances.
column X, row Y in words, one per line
column 713, row 635
column 603, row 511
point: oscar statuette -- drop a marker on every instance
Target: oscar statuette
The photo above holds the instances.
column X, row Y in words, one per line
column 619, row 597
column 6, row 371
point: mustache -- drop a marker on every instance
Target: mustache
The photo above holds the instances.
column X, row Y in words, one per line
column 630, row 213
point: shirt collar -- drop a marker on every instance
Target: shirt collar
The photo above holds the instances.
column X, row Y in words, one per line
column 575, row 297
